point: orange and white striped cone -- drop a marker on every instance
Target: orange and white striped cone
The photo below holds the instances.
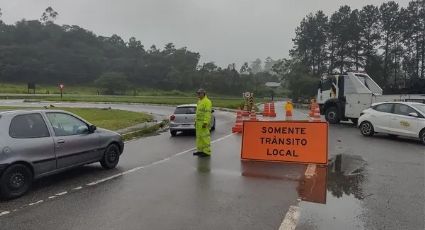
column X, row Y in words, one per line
column 316, row 115
column 288, row 115
column 311, row 112
column 266, row 109
column 253, row 115
column 238, row 127
column 272, row 110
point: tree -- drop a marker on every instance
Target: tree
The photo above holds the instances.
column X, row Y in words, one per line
column 245, row 69
column 310, row 42
column 256, row 66
column 340, row 36
column 49, row 15
column 369, row 31
column 113, row 83
column 389, row 20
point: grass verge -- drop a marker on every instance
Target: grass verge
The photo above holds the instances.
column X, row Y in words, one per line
column 144, row 131
column 111, row 119
column 231, row 103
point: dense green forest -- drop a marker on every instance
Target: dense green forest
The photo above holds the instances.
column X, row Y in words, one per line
column 386, row 41
column 43, row 52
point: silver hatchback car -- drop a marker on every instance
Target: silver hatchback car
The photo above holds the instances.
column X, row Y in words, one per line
column 37, row 143
column 183, row 119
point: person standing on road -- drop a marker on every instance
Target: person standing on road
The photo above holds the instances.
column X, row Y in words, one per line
column 203, row 124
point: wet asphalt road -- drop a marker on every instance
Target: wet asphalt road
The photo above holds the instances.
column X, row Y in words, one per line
column 371, row 183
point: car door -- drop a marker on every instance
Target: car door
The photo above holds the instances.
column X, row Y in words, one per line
column 74, row 144
column 402, row 123
column 30, row 141
column 381, row 118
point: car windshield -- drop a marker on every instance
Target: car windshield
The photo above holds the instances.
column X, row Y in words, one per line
column 420, row 108
column 185, row 110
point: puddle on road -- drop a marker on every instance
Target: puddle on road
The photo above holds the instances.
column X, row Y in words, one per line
column 330, row 199
column 335, row 203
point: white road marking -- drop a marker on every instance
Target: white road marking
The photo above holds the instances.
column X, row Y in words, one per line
column 38, row 202
column 62, row 193
column 116, row 175
column 291, row 219
column 152, row 164
column 4, row 213
column 310, row 171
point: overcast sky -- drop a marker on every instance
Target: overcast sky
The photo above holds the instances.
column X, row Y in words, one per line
column 223, row 31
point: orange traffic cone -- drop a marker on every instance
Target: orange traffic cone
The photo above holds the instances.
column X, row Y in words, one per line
column 245, row 111
column 272, row 110
column 311, row 113
column 266, row 109
column 238, row 127
column 253, row 115
column 288, row 110
column 316, row 114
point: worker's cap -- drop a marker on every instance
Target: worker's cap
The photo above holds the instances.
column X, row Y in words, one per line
column 201, row 91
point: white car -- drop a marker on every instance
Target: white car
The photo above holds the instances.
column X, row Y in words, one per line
column 394, row 118
column 183, row 119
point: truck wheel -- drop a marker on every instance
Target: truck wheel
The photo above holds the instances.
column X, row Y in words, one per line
column 173, row 133
column 15, row 181
column 332, row 115
column 366, row 129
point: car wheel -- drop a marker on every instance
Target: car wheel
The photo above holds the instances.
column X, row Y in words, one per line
column 332, row 115
column 173, row 133
column 366, row 128
column 15, row 181
column 111, row 157
column 213, row 126
column 422, row 136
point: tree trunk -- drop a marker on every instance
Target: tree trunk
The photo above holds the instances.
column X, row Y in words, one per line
column 331, row 67
column 417, row 57
column 386, row 60
column 341, row 68
column 423, row 57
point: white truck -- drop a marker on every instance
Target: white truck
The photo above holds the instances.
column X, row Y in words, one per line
column 344, row 97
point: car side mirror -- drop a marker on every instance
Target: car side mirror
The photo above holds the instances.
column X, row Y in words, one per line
column 92, row 128
column 413, row 114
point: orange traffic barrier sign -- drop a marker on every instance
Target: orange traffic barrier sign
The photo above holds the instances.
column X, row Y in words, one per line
column 294, row 141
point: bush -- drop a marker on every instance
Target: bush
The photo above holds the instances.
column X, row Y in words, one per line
column 303, row 86
column 113, row 83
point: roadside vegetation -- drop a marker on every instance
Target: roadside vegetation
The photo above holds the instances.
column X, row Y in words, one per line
column 112, row 119
column 231, row 103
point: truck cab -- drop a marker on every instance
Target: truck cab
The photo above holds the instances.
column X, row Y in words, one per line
column 344, row 97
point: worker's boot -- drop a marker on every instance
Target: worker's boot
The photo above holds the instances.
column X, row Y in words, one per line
column 204, row 155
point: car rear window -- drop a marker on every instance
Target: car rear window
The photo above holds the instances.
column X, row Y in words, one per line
column 185, row 110
column 420, row 108
column 28, row 126
column 401, row 109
